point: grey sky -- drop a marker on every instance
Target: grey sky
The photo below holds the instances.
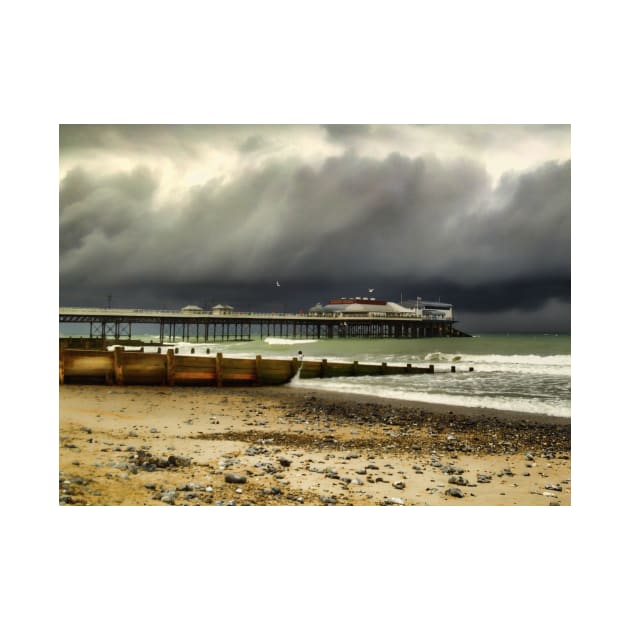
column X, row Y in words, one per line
column 166, row 215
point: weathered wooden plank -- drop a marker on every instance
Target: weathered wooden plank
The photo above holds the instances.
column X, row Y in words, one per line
column 76, row 365
column 195, row 376
column 143, row 369
column 192, row 362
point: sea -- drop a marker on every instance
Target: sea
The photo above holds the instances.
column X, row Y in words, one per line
column 511, row 372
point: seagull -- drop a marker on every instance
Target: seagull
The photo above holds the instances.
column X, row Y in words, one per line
column 277, row 283
column 370, row 290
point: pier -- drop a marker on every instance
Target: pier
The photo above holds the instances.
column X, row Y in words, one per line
column 200, row 327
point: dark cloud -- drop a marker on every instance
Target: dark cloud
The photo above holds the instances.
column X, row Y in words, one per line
column 174, row 139
column 493, row 136
column 403, row 225
column 345, row 132
column 108, row 206
column 253, row 143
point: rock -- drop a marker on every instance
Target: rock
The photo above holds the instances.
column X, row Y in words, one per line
column 284, row 461
column 274, row 490
column 483, row 478
column 169, row 497
column 453, row 470
column 556, row 487
column 459, row 480
column 392, row 501
column 455, row 492
column 399, row 485
column 234, row 478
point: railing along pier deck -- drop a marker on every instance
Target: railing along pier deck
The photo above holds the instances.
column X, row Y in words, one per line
column 205, row 326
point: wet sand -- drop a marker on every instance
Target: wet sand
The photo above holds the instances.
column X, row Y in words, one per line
column 291, row 446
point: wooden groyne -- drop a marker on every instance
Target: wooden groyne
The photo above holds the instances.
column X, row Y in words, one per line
column 136, row 367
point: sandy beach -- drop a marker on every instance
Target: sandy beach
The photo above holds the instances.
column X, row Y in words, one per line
column 140, row 446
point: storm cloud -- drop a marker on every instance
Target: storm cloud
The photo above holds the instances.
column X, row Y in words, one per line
column 209, row 214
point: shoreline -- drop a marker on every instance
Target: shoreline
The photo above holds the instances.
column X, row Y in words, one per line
column 296, row 446
column 443, row 408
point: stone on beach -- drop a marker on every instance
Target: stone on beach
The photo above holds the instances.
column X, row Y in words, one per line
column 234, row 478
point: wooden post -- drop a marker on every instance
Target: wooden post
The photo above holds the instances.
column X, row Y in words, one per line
column 453, row 369
column 61, row 370
column 431, row 369
column 471, row 369
column 170, row 367
column 355, row 368
column 408, row 368
column 258, row 369
column 118, row 366
column 383, row 367
column 322, row 369
column 219, row 369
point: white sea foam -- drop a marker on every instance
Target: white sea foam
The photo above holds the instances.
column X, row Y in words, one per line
column 373, row 388
column 280, row 341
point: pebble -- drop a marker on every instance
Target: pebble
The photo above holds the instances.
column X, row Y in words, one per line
column 169, row 497
column 392, row 501
column 234, row 478
column 453, row 470
column 459, row 480
column 399, row 485
column 455, row 492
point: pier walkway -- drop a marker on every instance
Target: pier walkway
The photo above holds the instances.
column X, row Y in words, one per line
column 204, row 326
